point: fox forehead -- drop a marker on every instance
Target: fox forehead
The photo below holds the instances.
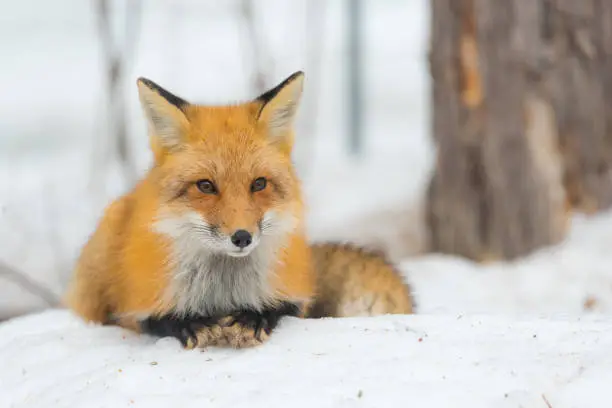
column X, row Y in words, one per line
column 225, row 139
column 230, row 136
column 207, row 123
column 228, row 159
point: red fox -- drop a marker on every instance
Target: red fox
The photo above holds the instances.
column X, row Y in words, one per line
column 210, row 247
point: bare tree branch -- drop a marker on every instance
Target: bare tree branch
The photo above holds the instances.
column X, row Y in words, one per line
column 116, row 60
column 53, row 236
column 315, row 33
column 132, row 29
column 255, row 45
column 26, row 283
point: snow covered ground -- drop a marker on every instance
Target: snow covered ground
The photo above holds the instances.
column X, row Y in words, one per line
column 53, row 360
column 572, row 278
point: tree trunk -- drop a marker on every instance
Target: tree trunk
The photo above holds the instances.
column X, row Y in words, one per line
column 576, row 41
column 498, row 185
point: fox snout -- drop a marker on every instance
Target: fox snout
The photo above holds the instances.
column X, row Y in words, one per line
column 236, row 239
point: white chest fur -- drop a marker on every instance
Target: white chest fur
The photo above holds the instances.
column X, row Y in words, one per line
column 216, row 284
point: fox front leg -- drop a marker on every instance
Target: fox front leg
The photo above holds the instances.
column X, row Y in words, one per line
column 245, row 329
column 201, row 332
column 185, row 329
column 241, row 329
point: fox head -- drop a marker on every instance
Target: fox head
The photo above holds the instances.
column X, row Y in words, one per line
column 223, row 174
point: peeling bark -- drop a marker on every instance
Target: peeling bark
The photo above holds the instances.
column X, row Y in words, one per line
column 498, row 186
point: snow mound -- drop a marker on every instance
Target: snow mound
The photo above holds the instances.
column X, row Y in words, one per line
column 53, row 359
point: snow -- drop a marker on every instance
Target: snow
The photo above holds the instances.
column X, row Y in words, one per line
column 573, row 278
column 53, row 359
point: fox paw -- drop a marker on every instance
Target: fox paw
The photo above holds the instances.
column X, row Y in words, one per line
column 242, row 329
column 245, row 328
column 184, row 329
column 230, row 332
column 260, row 323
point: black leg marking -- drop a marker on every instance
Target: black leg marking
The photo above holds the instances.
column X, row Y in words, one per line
column 182, row 328
column 266, row 320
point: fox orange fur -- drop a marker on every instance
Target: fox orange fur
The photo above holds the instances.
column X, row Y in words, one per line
column 209, row 247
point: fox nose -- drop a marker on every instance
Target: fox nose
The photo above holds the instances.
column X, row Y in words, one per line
column 242, row 238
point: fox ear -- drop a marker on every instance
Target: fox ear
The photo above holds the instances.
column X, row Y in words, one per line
column 279, row 106
column 165, row 114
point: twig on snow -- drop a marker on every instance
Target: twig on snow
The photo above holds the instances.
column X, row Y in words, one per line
column 25, row 282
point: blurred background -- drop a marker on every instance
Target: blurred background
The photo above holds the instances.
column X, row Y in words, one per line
column 468, row 140
column 73, row 137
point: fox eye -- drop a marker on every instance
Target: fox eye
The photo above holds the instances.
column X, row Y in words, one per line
column 258, row 184
column 206, row 186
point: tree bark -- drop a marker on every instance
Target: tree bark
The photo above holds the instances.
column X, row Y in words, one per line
column 576, row 41
column 498, row 186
